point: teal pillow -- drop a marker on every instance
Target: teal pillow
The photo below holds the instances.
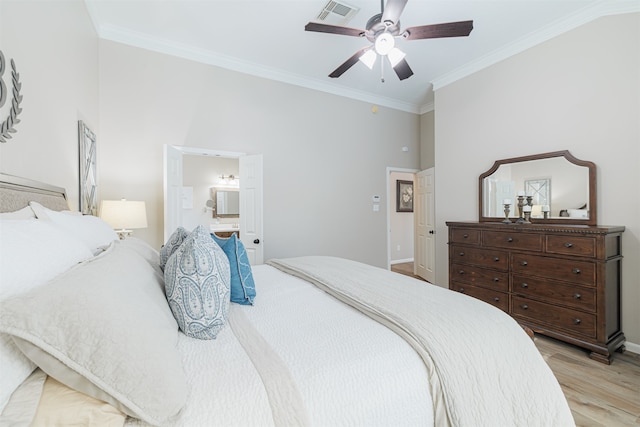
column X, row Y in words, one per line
column 197, row 280
column 243, row 288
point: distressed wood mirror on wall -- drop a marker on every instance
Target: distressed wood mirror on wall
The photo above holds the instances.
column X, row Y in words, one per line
column 562, row 189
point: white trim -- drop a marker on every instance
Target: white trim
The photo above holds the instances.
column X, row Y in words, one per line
column 207, row 152
column 144, row 41
column 389, row 201
column 584, row 16
column 633, row 348
column 400, row 261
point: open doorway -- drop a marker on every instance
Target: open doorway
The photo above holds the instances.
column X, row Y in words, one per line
column 400, row 219
column 193, row 202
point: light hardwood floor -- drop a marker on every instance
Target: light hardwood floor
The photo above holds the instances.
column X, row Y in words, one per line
column 598, row 394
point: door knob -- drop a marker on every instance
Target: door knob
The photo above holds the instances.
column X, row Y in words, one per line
column 257, row 241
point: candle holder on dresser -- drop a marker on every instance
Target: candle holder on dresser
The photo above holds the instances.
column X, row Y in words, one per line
column 527, row 214
column 521, row 205
column 507, row 205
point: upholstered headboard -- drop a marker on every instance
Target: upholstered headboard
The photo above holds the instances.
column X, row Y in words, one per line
column 17, row 192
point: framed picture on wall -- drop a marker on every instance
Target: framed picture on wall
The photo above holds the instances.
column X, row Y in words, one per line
column 404, row 196
column 88, row 175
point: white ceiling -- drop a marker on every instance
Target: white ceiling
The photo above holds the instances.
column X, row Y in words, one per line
column 267, row 38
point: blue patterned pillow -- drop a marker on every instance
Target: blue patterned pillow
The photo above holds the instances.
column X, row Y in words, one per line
column 197, row 281
column 243, row 288
column 174, row 242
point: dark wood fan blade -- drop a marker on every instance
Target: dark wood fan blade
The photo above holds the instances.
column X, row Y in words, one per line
column 333, row 29
column 450, row 29
column 349, row 63
column 403, row 70
column 392, row 10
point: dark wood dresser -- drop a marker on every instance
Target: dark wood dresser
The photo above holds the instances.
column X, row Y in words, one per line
column 559, row 280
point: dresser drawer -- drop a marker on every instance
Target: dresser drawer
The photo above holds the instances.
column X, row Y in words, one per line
column 465, row 235
column 482, row 257
column 574, row 321
column 582, row 272
column 473, row 275
column 555, row 292
column 571, row 245
column 495, row 298
column 512, row 240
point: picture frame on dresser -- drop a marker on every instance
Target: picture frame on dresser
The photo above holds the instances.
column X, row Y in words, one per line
column 560, row 277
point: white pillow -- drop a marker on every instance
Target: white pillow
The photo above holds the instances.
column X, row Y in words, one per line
column 93, row 231
column 104, row 328
column 24, row 213
column 32, row 252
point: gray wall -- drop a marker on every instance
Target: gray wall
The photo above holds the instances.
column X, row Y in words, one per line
column 578, row 92
column 55, row 49
column 324, row 156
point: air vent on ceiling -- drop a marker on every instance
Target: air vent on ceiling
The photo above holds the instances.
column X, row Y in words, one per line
column 337, row 13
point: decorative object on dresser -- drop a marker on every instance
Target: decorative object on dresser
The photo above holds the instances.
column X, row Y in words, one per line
column 560, row 277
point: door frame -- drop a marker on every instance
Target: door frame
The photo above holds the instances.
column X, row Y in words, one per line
column 391, row 204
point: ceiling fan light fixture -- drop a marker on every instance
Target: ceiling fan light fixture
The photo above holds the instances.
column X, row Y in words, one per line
column 384, row 43
column 369, row 58
column 395, row 55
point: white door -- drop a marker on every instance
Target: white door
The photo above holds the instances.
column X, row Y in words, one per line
column 424, row 211
column 172, row 190
column 251, row 207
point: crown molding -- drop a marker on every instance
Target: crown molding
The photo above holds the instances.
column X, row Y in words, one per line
column 144, row 41
column 586, row 15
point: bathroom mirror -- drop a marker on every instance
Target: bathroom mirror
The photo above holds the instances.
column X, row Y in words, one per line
column 557, row 182
column 226, row 203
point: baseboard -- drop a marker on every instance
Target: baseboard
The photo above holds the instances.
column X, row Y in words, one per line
column 633, row 348
column 401, row 261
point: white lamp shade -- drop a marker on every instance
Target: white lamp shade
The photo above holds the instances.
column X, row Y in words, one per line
column 369, row 58
column 124, row 214
column 395, row 55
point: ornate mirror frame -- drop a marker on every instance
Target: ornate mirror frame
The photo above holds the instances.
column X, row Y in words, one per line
column 592, row 203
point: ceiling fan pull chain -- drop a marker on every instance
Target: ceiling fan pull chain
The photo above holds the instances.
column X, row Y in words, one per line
column 382, row 70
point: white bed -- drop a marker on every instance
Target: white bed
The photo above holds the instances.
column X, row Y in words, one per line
column 327, row 342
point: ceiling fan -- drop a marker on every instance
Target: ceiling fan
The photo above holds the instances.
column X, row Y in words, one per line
column 381, row 31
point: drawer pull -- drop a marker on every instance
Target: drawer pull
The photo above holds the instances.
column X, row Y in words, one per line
column 576, row 271
column 496, row 299
column 496, row 279
column 465, row 236
column 496, row 259
column 524, row 306
column 524, row 263
column 568, row 245
column 461, row 254
column 460, row 271
column 577, row 296
column 509, row 239
column 461, row 290
column 525, row 285
column 577, row 321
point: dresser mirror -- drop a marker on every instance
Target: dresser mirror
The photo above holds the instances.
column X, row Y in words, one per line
column 562, row 189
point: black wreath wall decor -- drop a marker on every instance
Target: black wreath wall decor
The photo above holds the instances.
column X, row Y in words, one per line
column 7, row 126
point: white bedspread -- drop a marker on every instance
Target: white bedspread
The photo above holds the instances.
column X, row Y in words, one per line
column 488, row 371
column 345, row 369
